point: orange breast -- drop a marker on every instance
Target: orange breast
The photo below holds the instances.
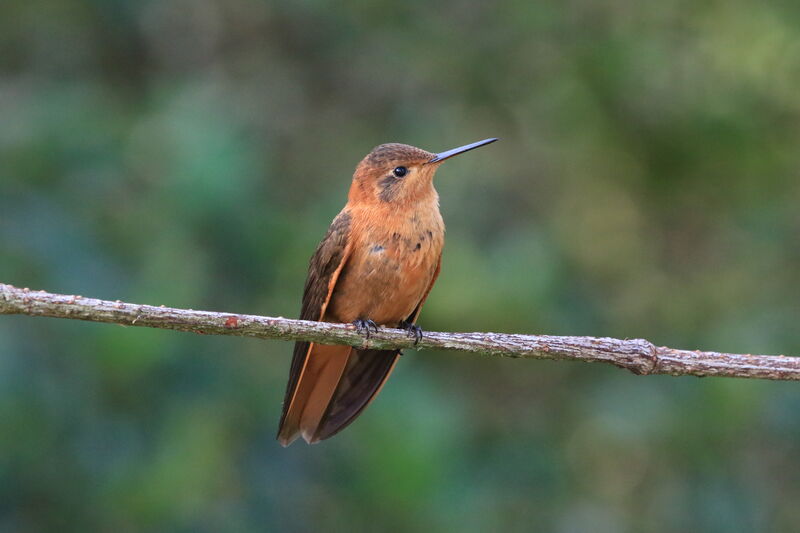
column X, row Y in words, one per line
column 392, row 265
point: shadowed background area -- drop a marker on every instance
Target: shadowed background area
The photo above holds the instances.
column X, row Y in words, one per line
column 192, row 154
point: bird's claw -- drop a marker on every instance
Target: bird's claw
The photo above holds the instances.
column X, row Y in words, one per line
column 363, row 326
column 413, row 331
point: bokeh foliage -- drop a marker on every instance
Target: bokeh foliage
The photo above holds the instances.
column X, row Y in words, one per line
column 191, row 153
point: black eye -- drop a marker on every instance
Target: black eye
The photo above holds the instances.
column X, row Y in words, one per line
column 399, row 172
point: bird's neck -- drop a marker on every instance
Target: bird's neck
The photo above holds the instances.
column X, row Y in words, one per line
column 426, row 200
column 421, row 213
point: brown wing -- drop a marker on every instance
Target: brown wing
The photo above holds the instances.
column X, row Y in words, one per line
column 362, row 380
column 324, row 268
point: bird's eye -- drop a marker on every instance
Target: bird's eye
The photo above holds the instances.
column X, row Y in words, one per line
column 399, row 172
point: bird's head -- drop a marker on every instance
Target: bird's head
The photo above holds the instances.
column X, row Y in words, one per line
column 399, row 173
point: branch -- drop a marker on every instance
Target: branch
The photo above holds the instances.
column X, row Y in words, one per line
column 637, row 355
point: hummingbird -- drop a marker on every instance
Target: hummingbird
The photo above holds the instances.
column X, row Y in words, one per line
column 374, row 267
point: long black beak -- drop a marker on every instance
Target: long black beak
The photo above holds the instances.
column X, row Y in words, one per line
column 460, row 150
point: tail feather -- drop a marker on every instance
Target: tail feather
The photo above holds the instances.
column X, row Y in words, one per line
column 333, row 385
column 362, row 380
column 317, row 380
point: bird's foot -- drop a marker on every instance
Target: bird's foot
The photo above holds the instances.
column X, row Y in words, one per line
column 363, row 326
column 412, row 329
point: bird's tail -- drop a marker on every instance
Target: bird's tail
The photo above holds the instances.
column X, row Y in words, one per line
column 329, row 387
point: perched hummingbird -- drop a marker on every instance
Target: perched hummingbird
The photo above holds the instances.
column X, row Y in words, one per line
column 375, row 266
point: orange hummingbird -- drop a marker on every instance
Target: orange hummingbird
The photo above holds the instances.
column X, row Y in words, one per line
column 375, row 266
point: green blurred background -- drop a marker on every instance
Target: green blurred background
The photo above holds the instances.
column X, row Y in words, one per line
column 192, row 153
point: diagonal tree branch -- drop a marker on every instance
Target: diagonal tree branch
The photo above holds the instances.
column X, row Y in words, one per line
column 637, row 355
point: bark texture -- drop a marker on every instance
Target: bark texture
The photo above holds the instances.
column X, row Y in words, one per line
column 637, row 355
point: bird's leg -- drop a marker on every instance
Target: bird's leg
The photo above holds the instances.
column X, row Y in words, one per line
column 363, row 326
column 412, row 329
